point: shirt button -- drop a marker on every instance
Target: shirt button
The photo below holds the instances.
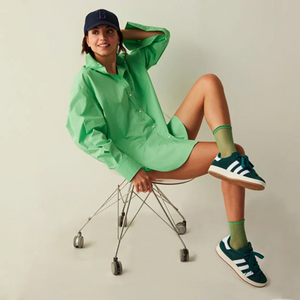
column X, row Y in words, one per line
column 169, row 136
column 129, row 95
column 140, row 111
column 153, row 126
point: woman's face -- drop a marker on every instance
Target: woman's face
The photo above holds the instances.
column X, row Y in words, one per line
column 103, row 40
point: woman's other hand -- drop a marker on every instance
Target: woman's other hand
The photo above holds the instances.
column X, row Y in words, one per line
column 142, row 181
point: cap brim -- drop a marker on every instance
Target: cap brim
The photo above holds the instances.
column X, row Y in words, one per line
column 101, row 23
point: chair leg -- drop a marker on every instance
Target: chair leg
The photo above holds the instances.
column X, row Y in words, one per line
column 127, row 202
column 78, row 240
column 132, row 194
column 180, row 226
column 164, row 197
column 169, row 215
column 122, row 217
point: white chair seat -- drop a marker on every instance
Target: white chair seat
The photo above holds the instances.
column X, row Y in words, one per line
column 171, row 181
column 167, row 181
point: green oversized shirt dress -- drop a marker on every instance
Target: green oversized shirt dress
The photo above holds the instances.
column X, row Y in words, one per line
column 117, row 119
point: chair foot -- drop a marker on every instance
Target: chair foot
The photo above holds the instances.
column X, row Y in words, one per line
column 181, row 227
column 78, row 241
column 184, row 255
column 116, row 267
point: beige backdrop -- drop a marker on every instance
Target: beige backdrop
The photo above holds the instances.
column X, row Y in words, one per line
column 49, row 187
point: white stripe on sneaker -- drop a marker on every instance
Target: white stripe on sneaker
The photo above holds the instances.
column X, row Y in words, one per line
column 232, row 165
column 245, row 267
column 238, row 169
column 218, row 158
column 245, row 172
column 249, row 274
column 239, row 261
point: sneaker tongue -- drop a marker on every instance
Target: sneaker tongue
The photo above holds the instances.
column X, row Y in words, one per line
column 237, row 155
column 246, row 250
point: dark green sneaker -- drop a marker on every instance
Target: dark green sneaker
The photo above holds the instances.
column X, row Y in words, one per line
column 237, row 169
column 243, row 262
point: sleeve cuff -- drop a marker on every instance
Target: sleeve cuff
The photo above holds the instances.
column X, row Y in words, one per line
column 128, row 168
column 137, row 44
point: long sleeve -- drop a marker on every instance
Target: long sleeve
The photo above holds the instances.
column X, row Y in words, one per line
column 149, row 50
column 87, row 127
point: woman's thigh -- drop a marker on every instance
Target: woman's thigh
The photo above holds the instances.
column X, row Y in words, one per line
column 191, row 111
column 197, row 164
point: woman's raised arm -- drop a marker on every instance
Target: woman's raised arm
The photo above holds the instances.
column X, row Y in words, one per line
column 138, row 34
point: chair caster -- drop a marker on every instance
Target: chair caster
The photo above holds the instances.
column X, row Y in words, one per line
column 184, row 255
column 121, row 220
column 116, row 267
column 78, row 241
column 181, row 227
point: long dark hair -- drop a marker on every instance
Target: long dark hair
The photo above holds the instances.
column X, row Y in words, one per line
column 86, row 49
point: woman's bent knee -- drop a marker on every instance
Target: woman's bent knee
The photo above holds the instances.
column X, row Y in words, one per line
column 240, row 149
column 210, row 79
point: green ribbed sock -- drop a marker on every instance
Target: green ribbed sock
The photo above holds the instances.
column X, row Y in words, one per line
column 238, row 238
column 224, row 139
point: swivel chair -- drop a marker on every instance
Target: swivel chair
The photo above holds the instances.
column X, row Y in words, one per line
column 125, row 193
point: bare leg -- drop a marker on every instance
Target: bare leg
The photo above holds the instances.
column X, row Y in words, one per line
column 207, row 98
column 234, row 199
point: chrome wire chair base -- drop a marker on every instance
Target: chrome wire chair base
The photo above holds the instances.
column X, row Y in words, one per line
column 125, row 193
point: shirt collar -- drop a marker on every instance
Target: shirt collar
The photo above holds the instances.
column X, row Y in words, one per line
column 91, row 63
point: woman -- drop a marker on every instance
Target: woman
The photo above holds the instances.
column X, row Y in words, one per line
column 115, row 117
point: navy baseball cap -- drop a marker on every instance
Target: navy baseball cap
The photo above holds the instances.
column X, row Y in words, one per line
column 100, row 17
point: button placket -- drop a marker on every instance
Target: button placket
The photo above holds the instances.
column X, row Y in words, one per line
column 132, row 100
column 136, row 106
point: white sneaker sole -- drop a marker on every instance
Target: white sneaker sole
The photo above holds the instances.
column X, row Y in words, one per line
column 236, row 269
column 243, row 181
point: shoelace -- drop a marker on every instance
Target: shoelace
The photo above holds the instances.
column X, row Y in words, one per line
column 246, row 164
column 253, row 265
